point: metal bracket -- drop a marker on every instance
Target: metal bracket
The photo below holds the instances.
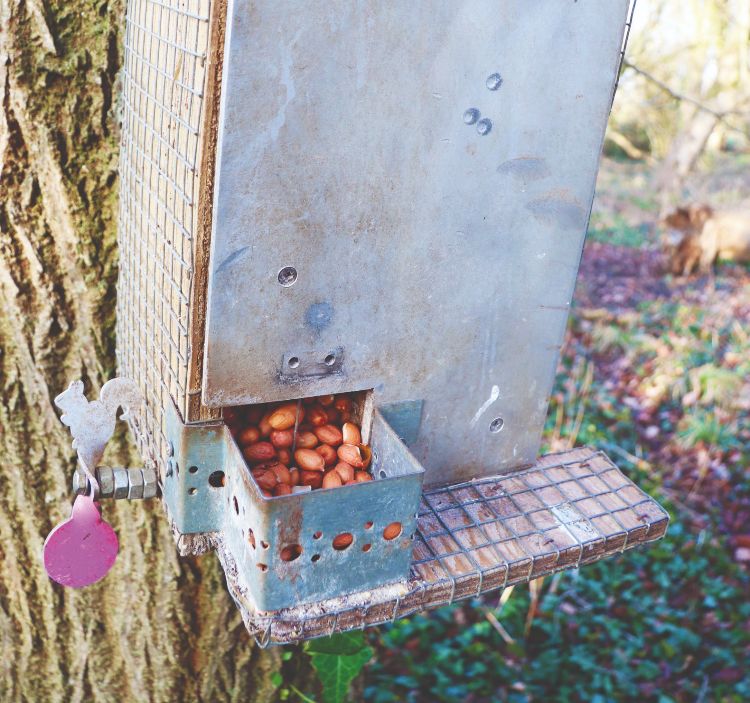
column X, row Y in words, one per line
column 194, row 478
column 311, row 364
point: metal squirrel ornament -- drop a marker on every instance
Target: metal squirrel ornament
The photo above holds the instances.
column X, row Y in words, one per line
column 82, row 549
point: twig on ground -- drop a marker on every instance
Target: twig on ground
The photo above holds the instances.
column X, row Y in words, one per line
column 498, row 626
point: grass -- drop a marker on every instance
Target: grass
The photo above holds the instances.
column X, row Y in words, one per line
column 615, row 229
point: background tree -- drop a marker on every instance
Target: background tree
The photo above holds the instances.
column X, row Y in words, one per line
column 158, row 627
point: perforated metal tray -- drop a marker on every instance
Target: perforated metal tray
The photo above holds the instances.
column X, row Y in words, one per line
column 567, row 510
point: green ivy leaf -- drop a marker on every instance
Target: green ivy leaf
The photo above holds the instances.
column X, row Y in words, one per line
column 336, row 672
column 337, row 660
column 340, row 643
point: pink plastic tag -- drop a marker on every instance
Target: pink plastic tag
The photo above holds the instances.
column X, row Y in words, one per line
column 81, row 550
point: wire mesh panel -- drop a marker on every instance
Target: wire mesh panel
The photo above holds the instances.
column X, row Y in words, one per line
column 162, row 104
column 569, row 509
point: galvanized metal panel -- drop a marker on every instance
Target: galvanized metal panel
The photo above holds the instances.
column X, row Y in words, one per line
column 434, row 258
column 195, row 452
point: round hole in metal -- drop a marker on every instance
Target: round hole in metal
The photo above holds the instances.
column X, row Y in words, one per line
column 236, row 505
column 193, row 469
column 251, row 538
column 330, row 360
column 368, row 525
column 192, row 491
column 291, row 552
column 315, row 557
column 366, row 547
column 293, row 362
column 287, row 276
column 216, row 479
column 317, row 535
column 343, row 541
column 497, row 424
column 264, row 544
column 382, row 473
column 392, row 531
column 262, row 567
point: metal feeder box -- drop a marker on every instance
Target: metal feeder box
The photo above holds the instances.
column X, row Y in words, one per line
column 383, row 199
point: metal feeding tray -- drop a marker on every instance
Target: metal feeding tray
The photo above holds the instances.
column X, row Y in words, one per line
column 329, row 198
column 569, row 509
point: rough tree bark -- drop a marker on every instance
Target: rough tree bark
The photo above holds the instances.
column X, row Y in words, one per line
column 158, row 628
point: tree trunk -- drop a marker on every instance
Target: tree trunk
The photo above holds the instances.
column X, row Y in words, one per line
column 158, row 628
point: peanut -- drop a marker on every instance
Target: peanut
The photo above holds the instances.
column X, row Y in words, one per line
column 328, row 434
column 284, row 417
column 352, row 455
column 306, row 440
column 345, row 471
column 250, row 435
column 263, row 426
column 265, row 479
column 317, row 416
column 294, row 476
column 344, row 405
column 362, row 477
column 309, row 460
column 282, row 439
column 328, row 453
column 285, row 456
column 326, row 400
column 282, row 490
column 260, row 451
column 351, row 434
column 282, row 474
column 267, row 494
column 331, row 480
column 366, row 455
column 314, row 479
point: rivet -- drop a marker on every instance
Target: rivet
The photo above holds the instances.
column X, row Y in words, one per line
column 494, row 81
column 471, row 115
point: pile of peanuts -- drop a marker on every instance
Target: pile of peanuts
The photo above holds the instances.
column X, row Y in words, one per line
column 293, row 445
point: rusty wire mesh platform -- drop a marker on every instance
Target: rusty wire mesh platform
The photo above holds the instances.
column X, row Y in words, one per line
column 569, row 509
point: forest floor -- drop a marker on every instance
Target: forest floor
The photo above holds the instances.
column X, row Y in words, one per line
column 656, row 372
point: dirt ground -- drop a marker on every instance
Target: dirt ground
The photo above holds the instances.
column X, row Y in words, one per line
column 623, row 273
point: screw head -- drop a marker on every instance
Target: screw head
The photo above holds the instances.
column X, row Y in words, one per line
column 287, row 276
